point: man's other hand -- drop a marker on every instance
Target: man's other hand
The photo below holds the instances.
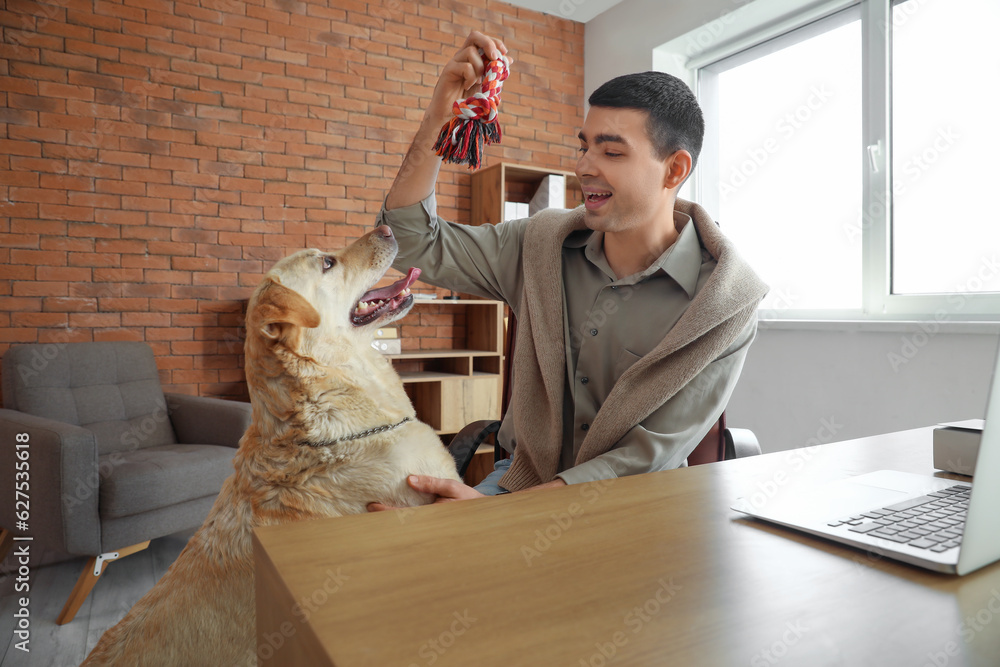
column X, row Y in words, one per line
column 445, row 490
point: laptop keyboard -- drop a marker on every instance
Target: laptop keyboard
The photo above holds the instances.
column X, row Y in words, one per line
column 933, row 522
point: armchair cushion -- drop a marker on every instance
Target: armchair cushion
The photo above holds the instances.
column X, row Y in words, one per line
column 155, row 477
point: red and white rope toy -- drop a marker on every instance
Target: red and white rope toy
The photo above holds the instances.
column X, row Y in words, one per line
column 475, row 122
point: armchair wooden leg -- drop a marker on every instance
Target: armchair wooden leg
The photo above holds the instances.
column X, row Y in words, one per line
column 91, row 573
column 6, row 542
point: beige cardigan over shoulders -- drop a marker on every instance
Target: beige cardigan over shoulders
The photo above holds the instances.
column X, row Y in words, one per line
column 714, row 320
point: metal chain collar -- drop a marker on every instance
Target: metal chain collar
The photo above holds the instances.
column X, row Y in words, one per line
column 363, row 434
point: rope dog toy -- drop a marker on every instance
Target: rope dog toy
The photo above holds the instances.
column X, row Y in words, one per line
column 475, row 122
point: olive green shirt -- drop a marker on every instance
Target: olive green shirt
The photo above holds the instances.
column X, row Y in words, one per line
column 609, row 324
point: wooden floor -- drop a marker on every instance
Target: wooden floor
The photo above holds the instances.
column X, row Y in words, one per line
column 122, row 584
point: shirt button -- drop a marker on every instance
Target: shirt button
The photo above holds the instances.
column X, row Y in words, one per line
column 593, row 332
column 585, row 427
column 584, row 380
column 614, row 287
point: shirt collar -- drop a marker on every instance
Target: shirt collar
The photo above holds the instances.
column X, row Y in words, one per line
column 681, row 261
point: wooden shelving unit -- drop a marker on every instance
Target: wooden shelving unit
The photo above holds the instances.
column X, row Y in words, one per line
column 453, row 387
column 504, row 181
column 491, row 188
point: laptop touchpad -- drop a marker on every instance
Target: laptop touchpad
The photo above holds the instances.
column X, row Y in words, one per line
column 831, row 501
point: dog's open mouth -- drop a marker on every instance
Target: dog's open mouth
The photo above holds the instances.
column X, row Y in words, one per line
column 379, row 302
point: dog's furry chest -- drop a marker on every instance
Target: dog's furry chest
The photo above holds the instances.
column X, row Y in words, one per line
column 334, row 480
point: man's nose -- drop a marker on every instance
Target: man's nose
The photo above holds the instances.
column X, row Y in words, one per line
column 584, row 165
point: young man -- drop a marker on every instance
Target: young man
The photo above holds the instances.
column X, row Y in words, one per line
column 634, row 312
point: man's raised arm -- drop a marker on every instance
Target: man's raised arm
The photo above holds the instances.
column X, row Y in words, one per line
column 418, row 173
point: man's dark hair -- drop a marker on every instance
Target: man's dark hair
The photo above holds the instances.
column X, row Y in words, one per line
column 675, row 120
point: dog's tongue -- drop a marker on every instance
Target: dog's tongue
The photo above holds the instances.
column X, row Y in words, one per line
column 383, row 293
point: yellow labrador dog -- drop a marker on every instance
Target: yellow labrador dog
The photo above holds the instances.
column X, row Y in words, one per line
column 332, row 430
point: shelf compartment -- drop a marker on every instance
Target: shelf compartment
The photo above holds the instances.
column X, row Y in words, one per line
column 493, row 365
column 446, row 366
column 504, row 181
column 449, row 404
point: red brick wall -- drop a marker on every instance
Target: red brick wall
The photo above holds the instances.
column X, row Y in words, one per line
column 157, row 156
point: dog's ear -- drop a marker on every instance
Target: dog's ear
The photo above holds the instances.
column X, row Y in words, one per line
column 281, row 310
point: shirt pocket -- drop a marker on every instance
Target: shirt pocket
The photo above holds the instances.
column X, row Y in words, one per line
column 625, row 361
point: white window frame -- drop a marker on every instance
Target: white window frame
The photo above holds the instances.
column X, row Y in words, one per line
column 773, row 24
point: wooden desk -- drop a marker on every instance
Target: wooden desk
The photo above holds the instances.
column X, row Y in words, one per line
column 647, row 570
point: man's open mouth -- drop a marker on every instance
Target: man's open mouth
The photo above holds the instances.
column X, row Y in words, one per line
column 594, row 198
column 377, row 303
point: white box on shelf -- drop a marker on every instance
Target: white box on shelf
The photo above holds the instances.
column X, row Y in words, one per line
column 551, row 193
column 387, row 345
column 956, row 446
column 510, row 210
column 515, row 210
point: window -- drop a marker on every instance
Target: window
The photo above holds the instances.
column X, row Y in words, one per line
column 788, row 124
column 850, row 158
column 945, row 138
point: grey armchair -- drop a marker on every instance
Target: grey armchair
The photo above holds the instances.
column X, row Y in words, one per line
column 114, row 462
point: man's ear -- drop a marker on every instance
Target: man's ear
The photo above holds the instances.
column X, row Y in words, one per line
column 281, row 310
column 679, row 165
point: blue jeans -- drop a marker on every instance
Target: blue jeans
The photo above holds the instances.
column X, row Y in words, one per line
column 491, row 485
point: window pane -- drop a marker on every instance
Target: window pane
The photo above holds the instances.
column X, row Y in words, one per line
column 946, row 138
column 790, row 168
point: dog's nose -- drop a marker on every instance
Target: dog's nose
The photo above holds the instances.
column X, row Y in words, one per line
column 384, row 231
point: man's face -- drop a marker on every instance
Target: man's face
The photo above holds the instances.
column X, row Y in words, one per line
column 623, row 181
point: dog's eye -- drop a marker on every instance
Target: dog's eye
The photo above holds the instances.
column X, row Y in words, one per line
column 328, row 263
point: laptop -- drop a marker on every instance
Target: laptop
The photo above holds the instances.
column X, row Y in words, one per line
column 932, row 522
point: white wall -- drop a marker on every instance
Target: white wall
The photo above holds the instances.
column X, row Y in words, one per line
column 829, row 384
column 821, row 382
column 622, row 39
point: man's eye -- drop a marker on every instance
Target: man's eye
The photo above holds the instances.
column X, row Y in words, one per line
column 582, row 149
column 328, row 263
column 609, row 154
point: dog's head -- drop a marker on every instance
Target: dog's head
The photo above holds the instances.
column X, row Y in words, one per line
column 314, row 310
column 314, row 296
